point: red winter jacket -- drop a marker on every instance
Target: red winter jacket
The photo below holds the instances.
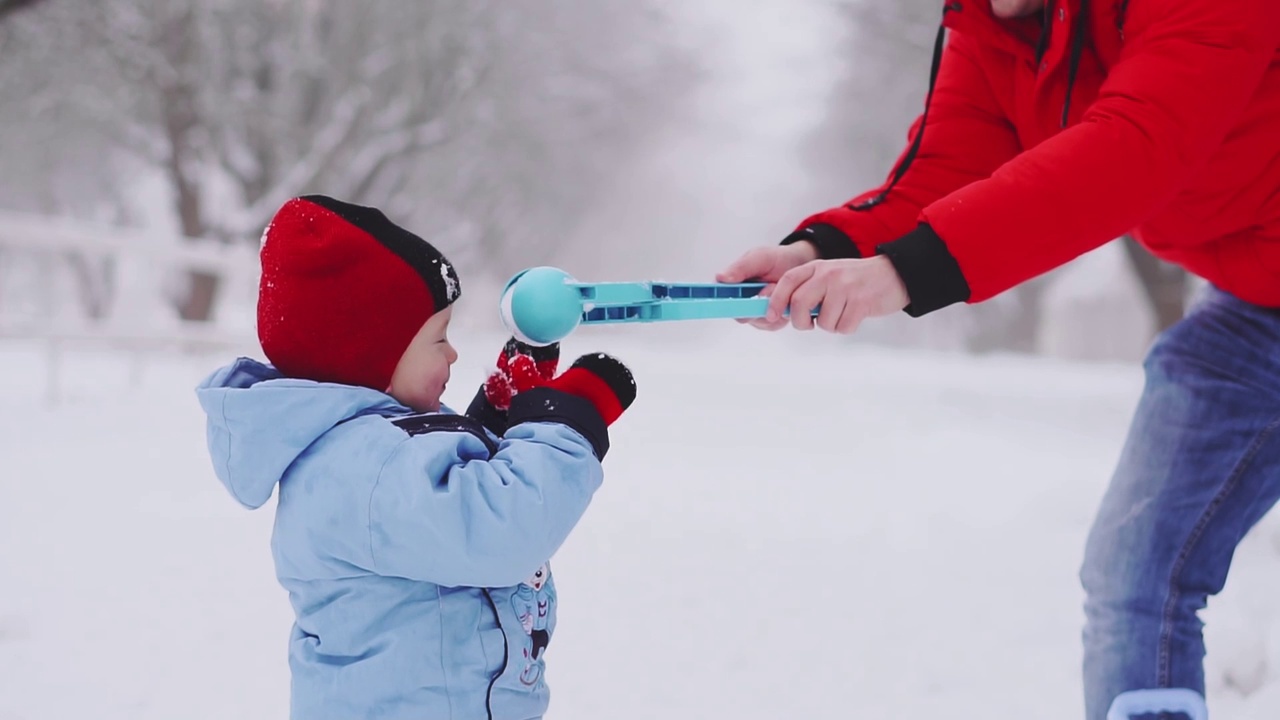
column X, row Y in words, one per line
column 1047, row 137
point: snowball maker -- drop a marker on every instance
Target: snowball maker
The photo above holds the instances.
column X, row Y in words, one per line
column 543, row 305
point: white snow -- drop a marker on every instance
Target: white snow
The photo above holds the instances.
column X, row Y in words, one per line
column 789, row 527
column 450, row 281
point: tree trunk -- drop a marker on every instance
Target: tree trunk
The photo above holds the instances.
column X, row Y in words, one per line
column 96, row 281
column 181, row 124
column 1165, row 285
column 201, row 292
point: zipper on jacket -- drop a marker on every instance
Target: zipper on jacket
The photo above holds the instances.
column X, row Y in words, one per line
column 914, row 149
column 1046, row 30
column 1077, row 52
column 506, row 655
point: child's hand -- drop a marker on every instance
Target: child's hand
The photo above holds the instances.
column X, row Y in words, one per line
column 588, row 398
column 600, row 379
column 520, row 367
column 603, row 381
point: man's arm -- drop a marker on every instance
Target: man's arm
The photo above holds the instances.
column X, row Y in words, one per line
column 966, row 138
column 1187, row 73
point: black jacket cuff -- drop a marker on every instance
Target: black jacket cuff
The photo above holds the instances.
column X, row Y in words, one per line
column 483, row 412
column 928, row 269
column 830, row 241
column 556, row 406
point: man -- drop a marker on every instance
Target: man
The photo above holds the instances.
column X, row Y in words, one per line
column 1052, row 127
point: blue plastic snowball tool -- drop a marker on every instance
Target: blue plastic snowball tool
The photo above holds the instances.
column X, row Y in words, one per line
column 543, row 305
column 1150, row 702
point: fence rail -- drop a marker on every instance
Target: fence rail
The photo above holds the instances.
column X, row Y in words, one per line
column 41, row 235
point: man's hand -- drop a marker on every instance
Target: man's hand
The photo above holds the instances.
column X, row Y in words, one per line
column 767, row 264
column 849, row 292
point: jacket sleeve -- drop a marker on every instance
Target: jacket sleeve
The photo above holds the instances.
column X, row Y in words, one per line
column 443, row 511
column 1186, row 74
column 966, row 138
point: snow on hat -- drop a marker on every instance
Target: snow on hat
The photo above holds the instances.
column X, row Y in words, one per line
column 344, row 290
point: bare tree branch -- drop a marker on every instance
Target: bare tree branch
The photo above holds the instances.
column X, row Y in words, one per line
column 305, row 172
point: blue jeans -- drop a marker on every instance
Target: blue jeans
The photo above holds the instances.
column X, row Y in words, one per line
column 1200, row 467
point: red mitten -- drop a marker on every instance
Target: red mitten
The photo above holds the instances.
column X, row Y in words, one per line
column 588, row 398
column 601, row 380
column 520, row 367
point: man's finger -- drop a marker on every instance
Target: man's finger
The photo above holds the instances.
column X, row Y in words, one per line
column 806, row 297
column 850, row 320
column 812, row 293
column 749, row 265
column 762, row 323
column 771, row 326
column 780, row 298
column 833, row 311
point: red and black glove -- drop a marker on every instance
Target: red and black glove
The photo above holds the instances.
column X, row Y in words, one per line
column 601, row 380
column 588, row 397
column 520, row 367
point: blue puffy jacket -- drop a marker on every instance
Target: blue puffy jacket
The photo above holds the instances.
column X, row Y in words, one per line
column 413, row 547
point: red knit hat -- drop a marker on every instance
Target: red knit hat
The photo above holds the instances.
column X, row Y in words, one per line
column 344, row 290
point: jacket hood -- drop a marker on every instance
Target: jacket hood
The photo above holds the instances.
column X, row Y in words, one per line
column 259, row 422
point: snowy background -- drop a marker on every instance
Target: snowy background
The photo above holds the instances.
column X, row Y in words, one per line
column 791, row 526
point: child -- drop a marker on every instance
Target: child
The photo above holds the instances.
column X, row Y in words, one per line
column 413, row 542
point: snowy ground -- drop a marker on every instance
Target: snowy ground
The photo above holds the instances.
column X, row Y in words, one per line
column 790, row 527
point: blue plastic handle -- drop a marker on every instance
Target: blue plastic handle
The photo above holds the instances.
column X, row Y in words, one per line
column 625, row 302
column 1149, row 702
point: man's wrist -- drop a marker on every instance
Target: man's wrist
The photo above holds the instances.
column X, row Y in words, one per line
column 929, row 272
column 806, row 250
column 827, row 241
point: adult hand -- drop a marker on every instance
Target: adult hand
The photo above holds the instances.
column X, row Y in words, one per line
column 767, row 264
column 849, row 292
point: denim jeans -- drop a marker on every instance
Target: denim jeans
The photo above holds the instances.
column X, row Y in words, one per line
column 1200, row 467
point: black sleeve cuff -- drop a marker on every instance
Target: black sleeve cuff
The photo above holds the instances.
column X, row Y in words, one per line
column 483, row 412
column 556, row 406
column 928, row 269
column 831, row 242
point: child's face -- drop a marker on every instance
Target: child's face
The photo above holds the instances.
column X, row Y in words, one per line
column 419, row 379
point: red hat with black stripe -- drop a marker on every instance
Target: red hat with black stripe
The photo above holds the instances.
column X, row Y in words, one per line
column 344, row 290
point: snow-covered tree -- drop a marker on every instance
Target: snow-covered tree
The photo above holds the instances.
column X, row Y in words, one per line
column 482, row 122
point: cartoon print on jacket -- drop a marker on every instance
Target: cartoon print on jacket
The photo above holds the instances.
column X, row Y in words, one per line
column 532, row 601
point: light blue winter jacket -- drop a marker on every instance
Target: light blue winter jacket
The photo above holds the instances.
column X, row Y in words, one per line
column 415, row 563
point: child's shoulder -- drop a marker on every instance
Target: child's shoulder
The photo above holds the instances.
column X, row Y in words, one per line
column 445, row 422
column 439, row 439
